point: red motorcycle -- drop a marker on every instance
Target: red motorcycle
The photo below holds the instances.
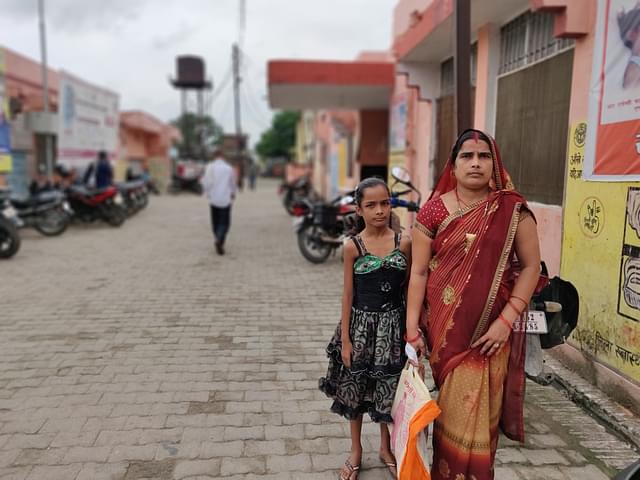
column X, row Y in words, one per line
column 89, row 205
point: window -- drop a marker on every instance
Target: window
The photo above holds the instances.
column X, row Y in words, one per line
column 528, row 39
column 447, row 73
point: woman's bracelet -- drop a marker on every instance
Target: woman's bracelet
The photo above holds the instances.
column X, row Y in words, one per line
column 526, row 304
column 515, row 307
column 411, row 340
column 505, row 321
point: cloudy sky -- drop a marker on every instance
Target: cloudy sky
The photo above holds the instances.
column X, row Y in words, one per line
column 130, row 46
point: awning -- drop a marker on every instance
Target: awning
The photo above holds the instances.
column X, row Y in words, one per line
column 431, row 37
column 304, row 84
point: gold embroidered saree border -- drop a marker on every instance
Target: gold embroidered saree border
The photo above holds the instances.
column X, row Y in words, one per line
column 457, row 214
column 421, row 228
column 497, row 278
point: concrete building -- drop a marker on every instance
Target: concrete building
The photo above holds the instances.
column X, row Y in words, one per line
column 535, row 67
column 141, row 137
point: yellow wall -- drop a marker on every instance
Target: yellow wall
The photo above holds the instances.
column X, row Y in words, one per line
column 594, row 258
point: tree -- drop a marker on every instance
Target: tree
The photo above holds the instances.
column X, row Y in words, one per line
column 280, row 139
column 199, row 134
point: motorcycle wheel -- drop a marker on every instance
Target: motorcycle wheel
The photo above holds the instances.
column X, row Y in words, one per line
column 311, row 247
column 143, row 202
column 9, row 239
column 52, row 223
column 115, row 215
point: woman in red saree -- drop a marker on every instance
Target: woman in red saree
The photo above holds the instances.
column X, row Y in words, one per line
column 464, row 295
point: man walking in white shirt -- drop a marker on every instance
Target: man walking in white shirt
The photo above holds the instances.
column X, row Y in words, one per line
column 219, row 186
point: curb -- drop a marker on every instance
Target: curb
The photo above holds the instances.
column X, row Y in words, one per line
column 614, row 416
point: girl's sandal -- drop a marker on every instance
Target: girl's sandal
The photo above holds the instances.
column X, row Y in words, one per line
column 392, row 467
column 348, row 471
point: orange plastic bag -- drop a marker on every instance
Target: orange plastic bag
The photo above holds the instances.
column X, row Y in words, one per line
column 412, row 411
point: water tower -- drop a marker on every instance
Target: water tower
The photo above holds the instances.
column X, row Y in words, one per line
column 190, row 76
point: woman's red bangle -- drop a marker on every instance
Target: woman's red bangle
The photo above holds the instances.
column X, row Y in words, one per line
column 521, row 299
column 411, row 340
column 505, row 321
column 515, row 307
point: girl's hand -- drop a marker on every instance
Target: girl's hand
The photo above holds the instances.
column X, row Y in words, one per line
column 347, row 349
column 494, row 339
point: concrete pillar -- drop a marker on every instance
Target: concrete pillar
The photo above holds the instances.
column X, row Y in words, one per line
column 487, row 78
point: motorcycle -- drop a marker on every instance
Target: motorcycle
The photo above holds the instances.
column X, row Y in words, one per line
column 550, row 319
column 322, row 227
column 134, row 194
column 401, row 175
column 295, row 192
column 9, row 223
column 91, row 205
column 46, row 211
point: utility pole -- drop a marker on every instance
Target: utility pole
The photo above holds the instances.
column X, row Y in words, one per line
column 48, row 154
column 235, row 55
column 463, row 65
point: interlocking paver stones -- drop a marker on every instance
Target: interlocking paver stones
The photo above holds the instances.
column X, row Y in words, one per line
column 137, row 352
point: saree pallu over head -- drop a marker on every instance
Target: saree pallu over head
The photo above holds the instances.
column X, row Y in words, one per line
column 469, row 283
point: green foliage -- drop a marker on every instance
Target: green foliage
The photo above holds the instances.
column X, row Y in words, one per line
column 199, row 135
column 280, row 139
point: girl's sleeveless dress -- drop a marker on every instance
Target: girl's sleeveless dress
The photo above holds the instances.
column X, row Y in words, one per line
column 377, row 328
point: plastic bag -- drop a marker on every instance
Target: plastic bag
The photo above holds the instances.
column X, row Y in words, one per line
column 412, row 411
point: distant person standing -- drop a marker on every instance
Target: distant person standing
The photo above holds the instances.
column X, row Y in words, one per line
column 253, row 174
column 99, row 173
column 220, row 187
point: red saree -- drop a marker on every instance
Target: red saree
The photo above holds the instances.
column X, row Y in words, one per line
column 469, row 283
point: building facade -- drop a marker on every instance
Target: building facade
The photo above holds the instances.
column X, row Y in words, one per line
column 536, row 68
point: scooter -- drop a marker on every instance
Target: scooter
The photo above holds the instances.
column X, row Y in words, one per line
column 9, row 223
column 47, row 211
column 91, row 205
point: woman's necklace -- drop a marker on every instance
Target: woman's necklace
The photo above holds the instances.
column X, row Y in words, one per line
column 460, row 201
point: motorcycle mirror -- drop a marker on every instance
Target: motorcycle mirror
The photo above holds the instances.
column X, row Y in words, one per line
column 401, row 174
column 346, row 200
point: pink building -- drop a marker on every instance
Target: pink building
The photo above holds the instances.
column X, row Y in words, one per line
column 533, row 65
column 142, row 138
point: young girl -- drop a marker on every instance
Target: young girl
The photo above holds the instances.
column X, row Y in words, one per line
column 366, row 353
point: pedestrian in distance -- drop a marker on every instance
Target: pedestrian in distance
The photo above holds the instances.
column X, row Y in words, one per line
column 366, row 353
column 466, row 290
column 219, row 186
column 99, row 174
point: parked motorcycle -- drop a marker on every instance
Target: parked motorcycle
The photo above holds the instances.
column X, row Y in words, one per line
column 90, row 205
column 295, row 192
column 9, row 221
column 323, row 227
column 47, row 211
column 401, row 175
column 551, row 317
column 134, row 194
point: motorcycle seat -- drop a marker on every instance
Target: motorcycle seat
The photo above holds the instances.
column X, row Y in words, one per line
column 87, row 192
column 130, row 185
column 38, row 199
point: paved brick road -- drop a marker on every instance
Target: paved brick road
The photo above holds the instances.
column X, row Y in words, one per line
column 138, row 353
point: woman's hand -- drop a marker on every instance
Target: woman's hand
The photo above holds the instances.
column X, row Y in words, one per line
column 497, row 335
column 418, row 343
column 347, row 349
